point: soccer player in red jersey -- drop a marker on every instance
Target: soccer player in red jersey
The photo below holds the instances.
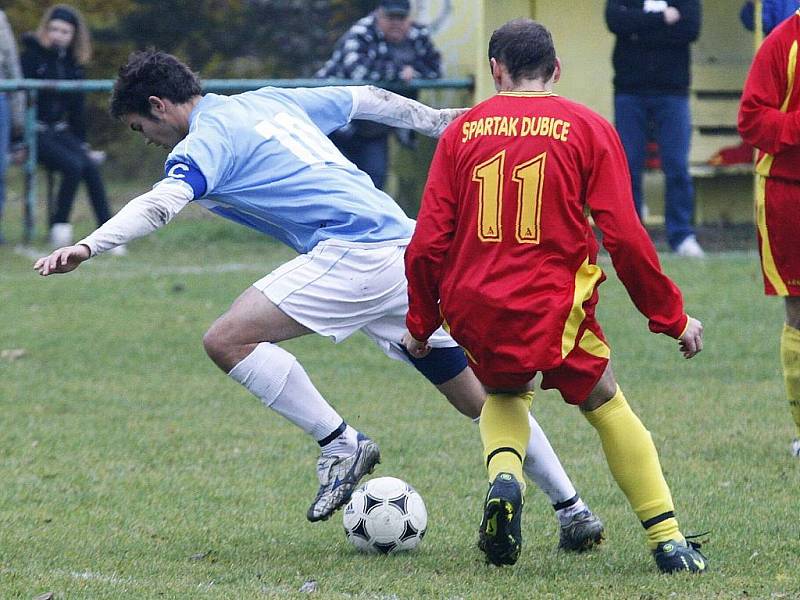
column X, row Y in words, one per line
column 769, row 119
column 504, row 253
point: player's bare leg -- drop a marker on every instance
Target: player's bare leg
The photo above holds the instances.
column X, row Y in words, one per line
column 790, row 362
column 242, row 342
column 633, row 461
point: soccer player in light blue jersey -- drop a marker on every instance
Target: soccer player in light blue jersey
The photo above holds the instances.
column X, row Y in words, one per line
column 262, row 159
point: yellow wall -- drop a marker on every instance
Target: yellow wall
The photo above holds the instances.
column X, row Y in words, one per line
column 583, row 43
column 721, row 58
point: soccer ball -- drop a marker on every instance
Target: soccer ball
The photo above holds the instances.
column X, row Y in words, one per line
column 385, row 515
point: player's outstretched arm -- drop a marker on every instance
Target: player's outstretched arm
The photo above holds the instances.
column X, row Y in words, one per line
column 140, row 216
column 62, row 260
column 382, row 106
column 691, row 342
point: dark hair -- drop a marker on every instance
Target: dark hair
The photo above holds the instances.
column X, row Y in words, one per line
column 526, row 49
column 151, row 73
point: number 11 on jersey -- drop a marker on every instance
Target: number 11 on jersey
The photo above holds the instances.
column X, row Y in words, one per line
column 529, row 177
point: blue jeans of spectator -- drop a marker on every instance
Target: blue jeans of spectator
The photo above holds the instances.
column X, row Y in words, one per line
column 370, row 154
column 673, row 131
column 5, row 136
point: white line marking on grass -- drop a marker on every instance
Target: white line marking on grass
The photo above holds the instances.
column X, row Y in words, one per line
column 116, row 272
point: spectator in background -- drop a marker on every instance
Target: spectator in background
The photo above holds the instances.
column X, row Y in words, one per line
column 59, row 49
column 386, row 45
column 651, row 83
column 773, row 12
column 11, row 105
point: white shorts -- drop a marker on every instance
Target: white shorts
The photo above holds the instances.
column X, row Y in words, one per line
column 342, row 287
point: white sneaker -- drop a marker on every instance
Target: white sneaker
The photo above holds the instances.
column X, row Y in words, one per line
column 689, row 248
column 796, row 447
column 121, row 250
column 61, row 235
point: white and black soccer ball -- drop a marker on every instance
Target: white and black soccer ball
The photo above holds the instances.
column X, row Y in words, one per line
column 385, row 515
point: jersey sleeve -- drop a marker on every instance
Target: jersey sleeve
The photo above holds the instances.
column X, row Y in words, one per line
column 633, row 255
column 430, row 244
column 330, row 108
column 763, row 121
column 203, row 159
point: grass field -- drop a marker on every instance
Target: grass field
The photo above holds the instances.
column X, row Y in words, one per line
column 131, row 468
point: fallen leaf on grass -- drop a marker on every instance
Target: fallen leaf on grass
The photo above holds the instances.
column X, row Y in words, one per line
column 12, row 354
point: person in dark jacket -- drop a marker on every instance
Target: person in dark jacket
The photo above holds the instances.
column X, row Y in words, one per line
column 652, row 58
column 386, row 45
column 59, row 49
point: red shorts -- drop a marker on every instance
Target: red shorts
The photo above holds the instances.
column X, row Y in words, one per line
column 575, row 377
column 778, row 220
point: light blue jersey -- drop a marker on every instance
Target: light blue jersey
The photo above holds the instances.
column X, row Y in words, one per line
column 262, row 159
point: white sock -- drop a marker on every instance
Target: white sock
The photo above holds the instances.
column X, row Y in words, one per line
column 565, row 514
column 342, row 442
column 542, row 466
column 275, row 377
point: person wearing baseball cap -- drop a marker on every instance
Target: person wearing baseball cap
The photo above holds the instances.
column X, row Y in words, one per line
column 385, row 46
column 395, row 7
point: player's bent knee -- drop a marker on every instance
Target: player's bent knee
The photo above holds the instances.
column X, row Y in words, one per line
column 215, row 346
column 603, row 391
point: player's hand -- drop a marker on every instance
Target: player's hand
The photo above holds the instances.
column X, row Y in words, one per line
column 672, row 15
column 415, row 348
column 62, row 260
column 691, row 342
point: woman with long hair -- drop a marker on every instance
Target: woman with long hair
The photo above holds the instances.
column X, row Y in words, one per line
column 59, row 49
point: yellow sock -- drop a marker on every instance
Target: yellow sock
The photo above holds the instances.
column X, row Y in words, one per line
column 505, row 430
column 790, row 360
column 633, row 460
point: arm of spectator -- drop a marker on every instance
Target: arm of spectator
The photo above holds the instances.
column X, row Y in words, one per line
column 142, row 215
column 358, row 59
column 625, row 21
column 382, row 106
column 687, row 29
column 428, row 61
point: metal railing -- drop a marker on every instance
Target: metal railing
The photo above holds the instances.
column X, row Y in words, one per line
column 34, row 86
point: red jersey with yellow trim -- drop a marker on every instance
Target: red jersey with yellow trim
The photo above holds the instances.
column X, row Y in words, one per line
column 503, row 249
column 769, row 113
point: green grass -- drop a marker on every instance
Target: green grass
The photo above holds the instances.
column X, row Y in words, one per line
column 130, row 467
